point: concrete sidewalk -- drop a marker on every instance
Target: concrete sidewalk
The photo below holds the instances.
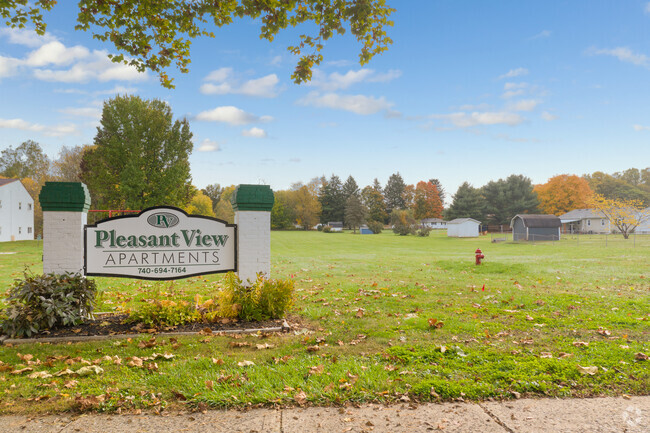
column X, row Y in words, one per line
column 598, row 415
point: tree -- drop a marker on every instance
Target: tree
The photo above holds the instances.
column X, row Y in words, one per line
column 394, row 193
column 332, row 200
column 282, row 214
column 140, row 158
column 27, row 160
column 355, row 212
column 153, row 34
column 373, row 199
column 306, row 205
column 426, row 203
column 67, row 168
column 201, row 204
column 563, row 193
column 224, row 210
column 626, row 215
column 506, row 198
column 468, row 202
column 617, row 189
column 403, row 222
column 441, row 191
column 213, row 191
column 409, row 196
column 350, row 187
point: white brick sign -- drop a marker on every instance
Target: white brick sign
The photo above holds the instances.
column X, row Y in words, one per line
column 160, row 243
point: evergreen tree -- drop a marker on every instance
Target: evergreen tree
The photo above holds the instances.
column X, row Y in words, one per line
column 394, row 193
column 506, row 198
column 468, row 202
column 332, row 200
column 355, row 212
column 350, row 187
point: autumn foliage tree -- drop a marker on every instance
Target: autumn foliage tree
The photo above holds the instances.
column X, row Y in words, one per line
column 563, row 193
column 426, row 203
column 625, row 215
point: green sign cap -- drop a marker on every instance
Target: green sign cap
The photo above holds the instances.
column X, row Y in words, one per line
column 252, row 197
column 65, row 196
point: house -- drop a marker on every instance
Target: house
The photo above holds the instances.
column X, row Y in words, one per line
column 16, row 211
column 335, row 226
column 463, row 228
column 585, row 221
column 644, row 227
column 535, row 227
column 433, row 223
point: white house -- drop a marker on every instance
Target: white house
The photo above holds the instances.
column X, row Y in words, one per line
column 585, row 221
column 434, row 223
column 16, row 212
column 463, row 228
column 644, row 227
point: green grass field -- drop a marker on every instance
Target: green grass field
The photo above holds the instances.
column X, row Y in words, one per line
column 545, row 319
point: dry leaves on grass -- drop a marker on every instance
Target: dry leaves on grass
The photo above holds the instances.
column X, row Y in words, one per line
column 435, row 323
column 640, row 356
column 245, row 363
column 588, row 370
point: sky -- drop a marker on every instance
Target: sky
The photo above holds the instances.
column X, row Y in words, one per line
column 468, row 91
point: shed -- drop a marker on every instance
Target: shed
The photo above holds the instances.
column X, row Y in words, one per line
column 336, row 226
column 463, row 228
column 364, row 230
column 16, row 211
column 535, row 227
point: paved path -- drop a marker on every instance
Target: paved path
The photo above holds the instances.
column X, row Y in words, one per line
column 598, row 415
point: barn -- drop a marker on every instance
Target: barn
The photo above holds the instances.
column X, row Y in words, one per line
column 16, row 211
column 463, row 228
column 535, row 227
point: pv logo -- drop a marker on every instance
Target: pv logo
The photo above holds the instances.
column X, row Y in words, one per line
column 162, row 220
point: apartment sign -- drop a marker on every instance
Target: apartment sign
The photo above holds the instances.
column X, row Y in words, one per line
column 159, row 243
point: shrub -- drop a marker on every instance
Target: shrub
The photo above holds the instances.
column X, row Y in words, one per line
column 375, row 226
column 40, row 302
column 424, row 231
column 265, row 299
column 327, row 229
column 165, row 313
column 403, row 222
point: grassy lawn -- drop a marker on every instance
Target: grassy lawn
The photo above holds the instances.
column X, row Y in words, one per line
column 545, row 319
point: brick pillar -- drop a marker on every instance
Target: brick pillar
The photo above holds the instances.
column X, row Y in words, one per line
column 65, row 210
column 252, row 205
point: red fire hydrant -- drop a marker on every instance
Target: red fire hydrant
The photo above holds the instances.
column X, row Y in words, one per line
column 479, row 256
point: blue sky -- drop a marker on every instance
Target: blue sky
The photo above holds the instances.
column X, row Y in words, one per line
column 469, row 91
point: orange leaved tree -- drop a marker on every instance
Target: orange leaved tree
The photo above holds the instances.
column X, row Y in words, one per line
column 563, row 193
column 625, row 215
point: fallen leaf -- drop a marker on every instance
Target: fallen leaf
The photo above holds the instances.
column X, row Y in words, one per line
column 39, row 375
column 316, row 370
column 580, row 344
column 588, row 370
column 65, row 372
column 217, row 361
column 359, row 314
column 245, row 363
column 435, row 323
column 546, row 355
column 134, row 361
column 300, row 397
column 90, row 369
column 239, row 344
column 22, row 370
column 209, row 384
column 314, row 348
column 640, row 356
column 264, row 346
column 70, row 384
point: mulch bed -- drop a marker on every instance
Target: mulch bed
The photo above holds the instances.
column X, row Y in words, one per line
column 116, row 324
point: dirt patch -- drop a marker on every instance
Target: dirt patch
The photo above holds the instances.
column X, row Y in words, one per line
column 116, row 324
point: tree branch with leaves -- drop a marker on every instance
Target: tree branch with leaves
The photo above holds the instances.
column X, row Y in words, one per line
column 625, row 215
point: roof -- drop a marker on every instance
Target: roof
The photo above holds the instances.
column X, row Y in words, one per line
column 538, row 221
column 3, row 182
column 462, row 220
column 578, row 214
column 432, row 220
column 335, row 224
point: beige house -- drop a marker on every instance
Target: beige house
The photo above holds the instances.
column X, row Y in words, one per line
column 585, row 221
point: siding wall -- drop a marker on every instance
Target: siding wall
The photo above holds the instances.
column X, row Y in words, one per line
column 16, row 213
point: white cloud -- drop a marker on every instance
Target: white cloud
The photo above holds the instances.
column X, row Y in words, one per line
column 515, row 73
column 254, row 132
column 56, row 53
column 208, row 145
column 222, row 82
column 466, row 120
column 26, row 37
column 358, row 104
column 514, row 86
column 524, row 105
column 336, row 81
column 231, row 115
column 624, row 54
column 276, row 61
column 548, row 116
column 8, row 66
column 512, row 93
column 641, row 128
column 92, row 112
column 542, row 34
column 54, row 131
column 646, row 9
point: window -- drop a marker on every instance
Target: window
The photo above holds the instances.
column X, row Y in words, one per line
column 20, row 205
column 20, row 230
column 602, row 222
column 29, row 230
column 588, row 222
column 29, row 206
